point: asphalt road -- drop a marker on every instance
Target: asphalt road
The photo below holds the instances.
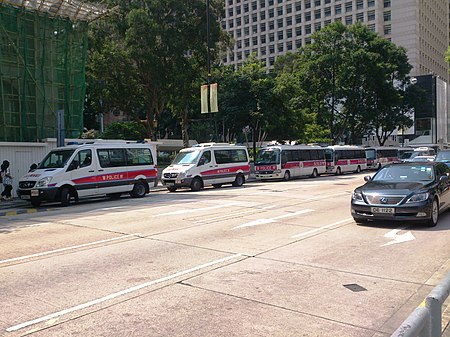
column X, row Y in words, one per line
column 267, row 259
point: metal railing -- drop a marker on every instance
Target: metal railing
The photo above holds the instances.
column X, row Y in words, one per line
column 426, row 319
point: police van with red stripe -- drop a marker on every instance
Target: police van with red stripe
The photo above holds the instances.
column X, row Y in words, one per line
column 92, row 169
column 207, row 164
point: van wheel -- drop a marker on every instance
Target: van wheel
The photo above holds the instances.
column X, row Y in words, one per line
column 139, row 190
column 197, row 184
column 171, row 189
column 287, row 176
column 239, row 181
column 35, row 203
column 314, row 174
column 217, row 185
column 434, row 214
column 66, row 195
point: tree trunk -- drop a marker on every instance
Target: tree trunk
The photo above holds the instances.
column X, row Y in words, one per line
column 184, row 126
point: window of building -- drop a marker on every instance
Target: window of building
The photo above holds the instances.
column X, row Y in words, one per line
column 298, row 18
column 262, row 3
column 254, row 5
column 246, row 8
column 387, row 16
column 317, row 26
column 280, row 47
column 359, row 4
column 289, row 8
column 255, row 29
column 289, row 33
column 298, row 43
column 262, row 15
column 387, row 3
column 246, row 19
column 270, row 2
column 289, row 45
column 238, row 32
column 271, row 25
column 308, row 16
column 307, row 29
column 262, row 50
column 271, row 13
column 230, row 12
column 230, row 2
column 338, row 19
column 348, row 20
column 280, row 11
column 307, row 4
column 327, row 11
column 271, row 49
column 238, row 10
column 289, row 21
column 280, row 35
column 327, row 2
column 348, row 6
column 254, row 17
column 263, row 39
column 307, row 40
column 327, row 22
column 338, row 9
column 298, row 31
column 371, row 27
column 317, row 3
column 230, row 23
column 387, row 29
column 370, row 15
column 317, row 14
column 370, row 3
column 239, row 55
column 262, row 27
column 239, row 44
column 360, row 17
column 298, row 6
column 280, row 23
column 271, row 37
column 246, row 31
column 246, row 42
column 271, row 61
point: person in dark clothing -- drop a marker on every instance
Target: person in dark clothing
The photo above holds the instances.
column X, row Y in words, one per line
column 7, row 180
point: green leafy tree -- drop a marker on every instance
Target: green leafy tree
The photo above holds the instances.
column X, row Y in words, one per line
column 125, row 130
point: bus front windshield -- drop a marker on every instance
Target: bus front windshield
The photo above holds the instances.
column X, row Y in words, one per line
column 186, row 158
column 268, row 157
column 56, row 159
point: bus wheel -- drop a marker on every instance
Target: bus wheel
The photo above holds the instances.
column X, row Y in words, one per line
column 139, row 190
column 239, row 181
column 196, row 184
column 338, row 171
column 287, row 176
column 314, row 174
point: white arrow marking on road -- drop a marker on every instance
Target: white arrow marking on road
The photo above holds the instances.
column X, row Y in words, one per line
column 398, row 238
column 266, row 221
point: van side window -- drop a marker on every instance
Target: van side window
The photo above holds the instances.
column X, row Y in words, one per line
column 205, row 158
column 230, row 156
column 81, row 159
column 139, row 156
column 112, row 157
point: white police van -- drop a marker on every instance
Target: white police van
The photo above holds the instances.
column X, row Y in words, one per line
column 207, row 164
column 91, row 169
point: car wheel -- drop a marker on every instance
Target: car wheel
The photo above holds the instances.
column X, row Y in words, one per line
column 239, row 181
column 287, row 176
column 139, row 190
column 314, row 174
column 434, row 213
column 172, row 189
column 196, row 184
column 35, row 203
column 338, row 171
column 217, row 185
column 65, row 197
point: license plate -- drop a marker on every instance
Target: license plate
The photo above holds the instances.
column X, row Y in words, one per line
column 383, row 210
column 25, row 197
column 34, row 193
column 170, row 184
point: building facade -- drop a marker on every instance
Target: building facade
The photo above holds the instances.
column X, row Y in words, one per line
column 274, row 27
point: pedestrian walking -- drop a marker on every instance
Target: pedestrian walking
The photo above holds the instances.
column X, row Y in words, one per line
column 5, row 173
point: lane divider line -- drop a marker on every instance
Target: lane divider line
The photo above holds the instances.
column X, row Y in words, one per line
column 266, row 221
column 323, row 227
column 255, row 210
column 67, row 248
column 120, row 293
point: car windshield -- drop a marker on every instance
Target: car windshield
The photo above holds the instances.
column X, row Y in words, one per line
column 56, row 159
column 443, row 156
column 405, row 173
column 186, row 158
column 268, row 157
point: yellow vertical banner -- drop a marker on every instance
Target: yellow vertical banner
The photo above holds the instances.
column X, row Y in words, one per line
column 204, row 98
column 213, row 97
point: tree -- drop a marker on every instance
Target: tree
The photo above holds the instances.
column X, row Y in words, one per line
column 158, row 39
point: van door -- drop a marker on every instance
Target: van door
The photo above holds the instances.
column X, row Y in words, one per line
column 82, row 170
column 207, row 168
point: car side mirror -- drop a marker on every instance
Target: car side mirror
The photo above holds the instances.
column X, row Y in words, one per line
column 367, row 178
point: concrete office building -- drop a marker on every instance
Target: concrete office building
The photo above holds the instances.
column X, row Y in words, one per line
column 274, row 27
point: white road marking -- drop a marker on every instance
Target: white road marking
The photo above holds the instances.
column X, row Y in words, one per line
column 323, row 227
column 234, row 214
column 398, row 238
column 265, row 221
column 120, row 293
column 327, row 196
column 184, row 211
column 67, row 248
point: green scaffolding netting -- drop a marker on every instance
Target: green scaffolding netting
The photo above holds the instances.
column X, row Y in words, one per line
column 42, row 71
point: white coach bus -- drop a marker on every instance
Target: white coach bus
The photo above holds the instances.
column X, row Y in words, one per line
column 289, row 161
column 345, row 158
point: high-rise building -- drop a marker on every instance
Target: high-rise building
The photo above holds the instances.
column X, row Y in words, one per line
column 274, row 27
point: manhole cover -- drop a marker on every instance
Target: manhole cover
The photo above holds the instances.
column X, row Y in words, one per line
column 355, row 287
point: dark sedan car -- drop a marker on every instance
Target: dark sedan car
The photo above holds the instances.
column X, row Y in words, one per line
column 408, row 191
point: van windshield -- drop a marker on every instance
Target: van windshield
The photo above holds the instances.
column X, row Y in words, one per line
column 186, row 158
column 56, row 159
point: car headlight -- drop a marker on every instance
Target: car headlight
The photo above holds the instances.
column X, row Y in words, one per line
column 418, row 197
column 44, row 182
column 357, row 196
